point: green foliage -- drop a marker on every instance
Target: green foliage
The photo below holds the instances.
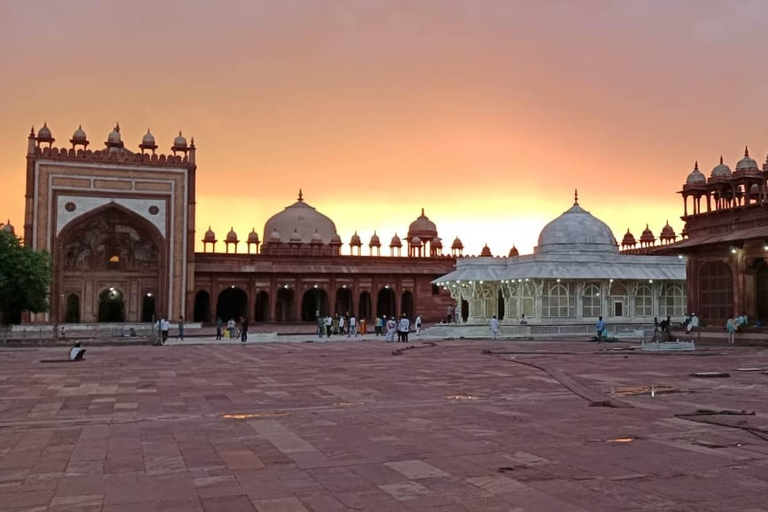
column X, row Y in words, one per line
column 25, row 277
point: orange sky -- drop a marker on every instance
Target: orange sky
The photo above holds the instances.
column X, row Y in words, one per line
column 486, row 113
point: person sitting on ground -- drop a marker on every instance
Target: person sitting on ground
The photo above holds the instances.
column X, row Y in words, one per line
column 77, row 352
column 742, row 320
column 693, row 323
column 523, row 321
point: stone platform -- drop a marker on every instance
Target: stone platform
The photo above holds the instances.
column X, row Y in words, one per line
column 344, row 426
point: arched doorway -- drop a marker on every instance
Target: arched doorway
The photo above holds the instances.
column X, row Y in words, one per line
column 365, row 306
column 111, row 305
column 232, row 303
column 284, row 306
column 464, row 310
column 500, row 306
column 761, row 291
column 344, row 303
column 314, row 303
column 406, row 304
column 115, row 242
column 72, row 315
column 202, row 310
column 716, row 296
column 261, row 313
column 385, row 304
column 148, row 308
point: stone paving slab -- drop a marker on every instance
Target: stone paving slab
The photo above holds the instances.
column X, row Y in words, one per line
column 349, row 426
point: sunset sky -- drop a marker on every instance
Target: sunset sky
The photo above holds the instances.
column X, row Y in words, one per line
column 485, row 113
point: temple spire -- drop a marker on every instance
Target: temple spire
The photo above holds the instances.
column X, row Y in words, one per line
column 721, row 159
column 746, row 151
column 696, row 165
column 301, row 196
column 575, row 197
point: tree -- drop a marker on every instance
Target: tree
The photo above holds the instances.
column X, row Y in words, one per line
column 25, row 277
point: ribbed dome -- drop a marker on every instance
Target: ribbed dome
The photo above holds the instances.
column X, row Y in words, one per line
column 295, row 237
column 210, row 236
column 304, row 219
column 274, row 236
column 486, row 252
column 696, row 176
column 180, row 142
column 148, row 139
column 79, row 136
column 114, row 138
column 721, row 170
column 8, row 228
column 395, row 241
column 746, row 163
column 44, row 134
column 422, row 227
column 253, row 237
column 232, row 236
column 576, row 230
column 457, row 243
column 647, row 235
column 513, row 252
column 375, row 242
column 629, row 239
column 355, row 240
column 667, row 232
column 316, row 238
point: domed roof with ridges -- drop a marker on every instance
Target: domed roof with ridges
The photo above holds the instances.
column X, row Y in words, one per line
column 395, row 242
column 576, row 230
column 8, row 228
column 629, row 239
column 304, row 219
column 422, row 227
column 721, row 170
column 274, row 236
column 210, row 236
column 355, row 240
column 667, row 231
column 513, row 252
column 79, row 135
column 232, row 236
column 44, row 134
column 746, row 163
column 253, row 236
column 486, row 252
column 696, row 175
column 295, row 237
column 375, row 242
column 457, row 243
column 180, row 141
column 647, row 235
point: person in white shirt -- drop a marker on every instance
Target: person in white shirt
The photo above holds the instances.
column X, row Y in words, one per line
column 328, row 325
column 693, row 323
column 231, row 328
column 77, row 353
column 494, row 327
column 457, row 314
column 165, row 326
column 417, row 324
column 352, row 327
column 391, row 329
column 341, row 324
column 402, row 329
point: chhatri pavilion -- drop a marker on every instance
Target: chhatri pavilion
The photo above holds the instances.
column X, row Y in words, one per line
column 575, row 275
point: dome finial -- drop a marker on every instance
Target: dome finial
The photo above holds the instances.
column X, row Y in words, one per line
column 575, row 197
column 696, row 165
column 746, row 150
column 422, row 212
column 301, row 196
column 117, row 127
column 721, row 159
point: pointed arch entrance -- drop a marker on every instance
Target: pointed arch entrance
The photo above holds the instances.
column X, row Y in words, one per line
column 148, row 308
column 385, row 305
column 111, row 305
column 284, row 306
column 232, row 303
column 261, row 313
column 202, row 309
column 72, row 315
column 406, row 304
column 344, row 304
column 364, row 306
column 314, row 303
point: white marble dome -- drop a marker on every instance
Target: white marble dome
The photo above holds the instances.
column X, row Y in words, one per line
column 747, row 163
column 304, row 220
column 696, row 175
column 721, row 170
column 576, row 230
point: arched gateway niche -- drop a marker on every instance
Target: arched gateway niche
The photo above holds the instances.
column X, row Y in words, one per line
column 284, row 305
column 261, row 314
column 406, row 304
column 314, row 303
column 386, row 303
column 148, row 308
column 344, row 303
column 72, row 315
column 202, row 309
column 365, row 306
column 104, row 247
column 761, row 290
column 716, row 288
column 232, row 303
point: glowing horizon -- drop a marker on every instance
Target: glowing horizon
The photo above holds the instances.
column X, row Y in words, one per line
column 486, row 114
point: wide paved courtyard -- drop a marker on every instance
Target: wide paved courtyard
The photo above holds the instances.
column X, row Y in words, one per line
column 351, row 426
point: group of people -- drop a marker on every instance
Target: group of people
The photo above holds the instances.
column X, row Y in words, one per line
column 734, row 324
column 339, row 325
column 164, row 326
column 232, row 329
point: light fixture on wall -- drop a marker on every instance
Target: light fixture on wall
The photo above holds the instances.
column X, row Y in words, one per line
column 733, row 250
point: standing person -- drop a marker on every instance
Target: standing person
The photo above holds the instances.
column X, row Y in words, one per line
column 244, row 330
column 231, row 328
column 219, row 325
column 403, row 327
column 417, row 324
column 377, row 324
column 181, row 328
column 457, row 314
column 731, row 326
column 494, row 325
column 363, row 326
column 600, row 328
column 165, row 326
column 328, row 325
column 391, row 329
column 341, row 325
column 352, row 329
column 320, row 326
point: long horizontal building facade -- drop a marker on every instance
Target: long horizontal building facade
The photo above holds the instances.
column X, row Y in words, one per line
column 120, row 226
column 575, row 275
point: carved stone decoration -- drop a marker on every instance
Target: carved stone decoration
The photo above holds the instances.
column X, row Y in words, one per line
column 70, row 206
